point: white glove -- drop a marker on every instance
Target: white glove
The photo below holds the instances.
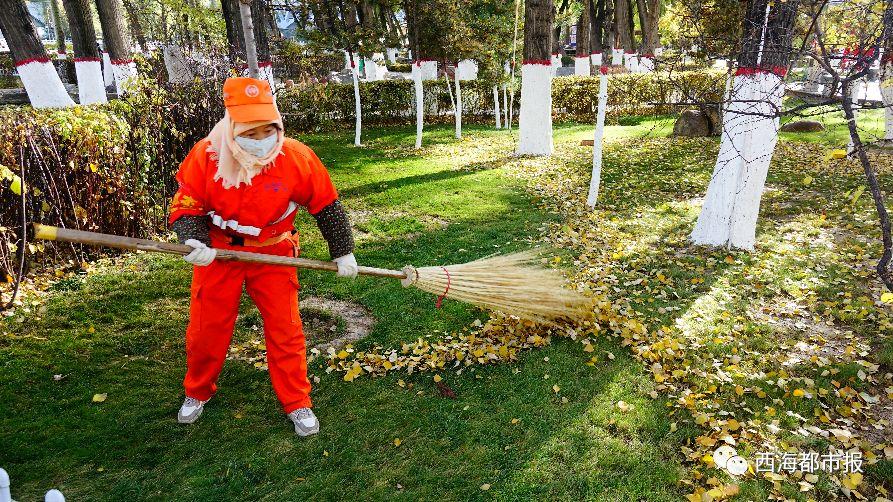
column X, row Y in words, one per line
column 201, row 254
column 347, row 266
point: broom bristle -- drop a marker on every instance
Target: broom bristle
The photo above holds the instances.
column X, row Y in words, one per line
column 512, row 284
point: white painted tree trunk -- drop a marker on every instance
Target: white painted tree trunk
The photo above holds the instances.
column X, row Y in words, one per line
column 265, row 72
column 505, row 107
column 535, row 119
column 596, row 59
column 496, row 112
column 358, row 126
column 392, row 54
column 581, row 65
column 458, row 108
column 91, row 87
column 123, row 72
column 107, row 76
column 750, row 132
column 592, row 198
column 646, row 64
column 419, row 103
column 887, row 95
column 467, row 69
column 616, row 57
column 629, row 61
column 556, row 63
column 42, row 84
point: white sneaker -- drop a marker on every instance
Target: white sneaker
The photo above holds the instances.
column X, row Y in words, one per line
column 190, row 411
column 305, row 422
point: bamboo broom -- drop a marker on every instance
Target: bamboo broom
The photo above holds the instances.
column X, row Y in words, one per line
column 510, row 284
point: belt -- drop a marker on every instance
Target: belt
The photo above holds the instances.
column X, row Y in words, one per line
column 238, row 240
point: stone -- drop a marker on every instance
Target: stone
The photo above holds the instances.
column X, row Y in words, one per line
column 803, row 126
column 693, row 124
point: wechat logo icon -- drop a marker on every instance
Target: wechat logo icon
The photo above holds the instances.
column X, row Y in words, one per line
column 725, row 457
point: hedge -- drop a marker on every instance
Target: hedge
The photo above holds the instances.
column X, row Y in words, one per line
column 111, row 167
column 387, row 102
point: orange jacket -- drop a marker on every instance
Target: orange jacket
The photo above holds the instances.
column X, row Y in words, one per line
column 267, row 206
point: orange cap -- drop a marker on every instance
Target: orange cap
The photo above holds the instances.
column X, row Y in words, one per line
column 249, row 100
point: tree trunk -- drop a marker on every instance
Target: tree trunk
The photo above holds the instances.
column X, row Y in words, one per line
column 609, row 42
column 233, row 21
column 581, row 61
column 887, row 74
column 136, row 27
column 117, row 43
column 87, row 58
column 621, row 22
column 750, row 128
column 535, row 119
column 597, row 25
column 61, row 49
column 260, row 14
column 42, row 83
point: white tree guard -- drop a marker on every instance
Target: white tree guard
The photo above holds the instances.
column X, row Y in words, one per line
column 535, row 118
column 458, row 108
column 496, row 112
column 61, row 55
column 107, row 76
column 581, row 65
column 428, row 69
column 392, row 54
column 124, row 73
column 347, row 59
column 616, row 57
column 750, row 132
column 91, row 88
column 358, row 126
column 467, row 69
column 592, row 198
column 596, row 59
column 556, row 63
column 43, row 85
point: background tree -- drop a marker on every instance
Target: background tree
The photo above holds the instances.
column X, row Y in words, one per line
column 116, row 41
column 87, row 58
column 535, row 118
column 42, row 83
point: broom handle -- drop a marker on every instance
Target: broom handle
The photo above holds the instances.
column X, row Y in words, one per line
column 52, row 233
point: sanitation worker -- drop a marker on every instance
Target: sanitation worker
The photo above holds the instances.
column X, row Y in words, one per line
column 240, row 188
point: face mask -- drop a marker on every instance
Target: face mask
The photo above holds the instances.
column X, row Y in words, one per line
column 259, row 148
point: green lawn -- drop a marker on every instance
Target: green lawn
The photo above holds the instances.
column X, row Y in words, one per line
column 508, row 435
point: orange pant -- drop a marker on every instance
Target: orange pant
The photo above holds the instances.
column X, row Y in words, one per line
column 216, row 291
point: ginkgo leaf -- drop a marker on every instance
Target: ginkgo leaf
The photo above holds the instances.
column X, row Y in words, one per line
column 100, row 398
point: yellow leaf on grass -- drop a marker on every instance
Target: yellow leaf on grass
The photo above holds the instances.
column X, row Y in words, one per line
column 437, row 378
column 799, row 392
column 807, row 180
column 397, row 441
column 556, row 388
column 515, row 420
column 887, row 297
column 100, row 398
column 485, row 486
